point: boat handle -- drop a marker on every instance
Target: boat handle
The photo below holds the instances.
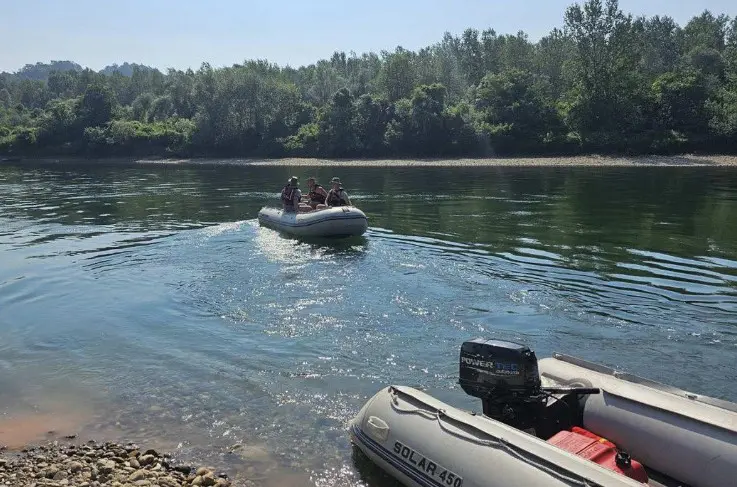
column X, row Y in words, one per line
column 378, row 428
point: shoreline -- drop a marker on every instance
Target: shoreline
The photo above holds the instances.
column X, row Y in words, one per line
column 33, row 447
column 61, row 463
column 684, row 160
column 51, row 450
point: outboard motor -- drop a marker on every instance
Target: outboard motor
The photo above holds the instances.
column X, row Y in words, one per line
column 504, row 375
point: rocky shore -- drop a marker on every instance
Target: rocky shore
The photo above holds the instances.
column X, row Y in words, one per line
column 544, row 161
column 93, row 464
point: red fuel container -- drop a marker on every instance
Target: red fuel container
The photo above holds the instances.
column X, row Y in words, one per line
column 592, row 447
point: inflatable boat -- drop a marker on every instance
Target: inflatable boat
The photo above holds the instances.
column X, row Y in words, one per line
column 560, row 422
column 340, row 221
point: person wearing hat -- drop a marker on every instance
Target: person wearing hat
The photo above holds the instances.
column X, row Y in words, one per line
column 337, row 195
column 291, row 195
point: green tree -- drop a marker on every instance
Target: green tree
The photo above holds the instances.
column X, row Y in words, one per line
column 447, row 66
column 705, row 31
column 61, row 84
column 5, row 99
column 659, row 39
column 371, row 120
column 337, row 136
column 97, row 105
column 722, row 110
column 551, row 55
column 418, row 125
column 162, row 108
column 397, row 76
column 513, row 112
column 59, row 124
column 471, row 54
column 608, row 97
column 141, row 106
column 324, row 81
column 681, row 98
column 428, row 119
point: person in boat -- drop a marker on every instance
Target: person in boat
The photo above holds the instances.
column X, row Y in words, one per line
column 337, row 195
column 317, row 195
column 291, row 195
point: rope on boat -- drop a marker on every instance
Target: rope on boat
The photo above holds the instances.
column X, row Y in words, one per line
column 497, row 442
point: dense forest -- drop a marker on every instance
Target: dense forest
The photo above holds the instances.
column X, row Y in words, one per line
column 605, row 82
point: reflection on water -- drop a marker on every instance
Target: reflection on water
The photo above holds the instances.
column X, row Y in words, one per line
column 151, row 294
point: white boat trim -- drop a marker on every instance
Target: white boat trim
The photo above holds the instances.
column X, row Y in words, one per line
column 695, row 407
column 603, row 369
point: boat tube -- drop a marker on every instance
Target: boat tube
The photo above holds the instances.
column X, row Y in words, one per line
column 562, row 421
column 339, row 221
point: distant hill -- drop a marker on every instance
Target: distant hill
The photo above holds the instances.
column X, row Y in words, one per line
column 40, row 71
column 126, row 69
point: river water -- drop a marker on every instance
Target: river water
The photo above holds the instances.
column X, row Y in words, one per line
column 145, row 302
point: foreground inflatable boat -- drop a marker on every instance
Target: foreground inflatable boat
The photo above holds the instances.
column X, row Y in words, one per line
column 341, row 221
column 562, row 422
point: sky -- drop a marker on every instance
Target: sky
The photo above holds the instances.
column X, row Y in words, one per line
column 185, row 33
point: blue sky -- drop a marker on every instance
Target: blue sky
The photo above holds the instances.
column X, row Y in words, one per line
column 184, row 33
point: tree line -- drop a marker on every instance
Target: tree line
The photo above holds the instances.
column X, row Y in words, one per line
column 605, row 82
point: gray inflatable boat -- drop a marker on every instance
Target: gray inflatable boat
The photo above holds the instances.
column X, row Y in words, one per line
column 339, row 221
column 559, row 422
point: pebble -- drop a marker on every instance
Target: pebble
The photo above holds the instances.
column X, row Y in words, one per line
column 146, row 460
column 60, row 475
column 208, row 479
column 105, row 466
column 168, row 482
column 102, row 465
column 137, row 475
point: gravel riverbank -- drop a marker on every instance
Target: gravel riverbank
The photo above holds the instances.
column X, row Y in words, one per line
column 593, row 161
column 92, row 464
column 590, row 160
